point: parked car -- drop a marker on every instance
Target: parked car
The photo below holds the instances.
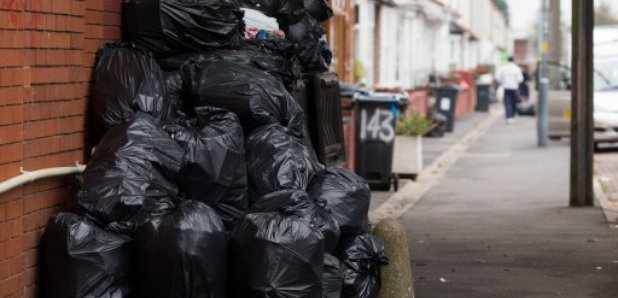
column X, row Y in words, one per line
column 605, row 93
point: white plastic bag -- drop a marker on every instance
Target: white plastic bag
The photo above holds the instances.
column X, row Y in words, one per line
column 256, row 19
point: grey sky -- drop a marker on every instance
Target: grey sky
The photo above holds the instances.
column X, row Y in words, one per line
column 525, row 12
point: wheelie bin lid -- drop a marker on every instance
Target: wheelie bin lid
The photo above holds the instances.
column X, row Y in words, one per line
column 397, row 98
column 349, row 90
column 449, row 87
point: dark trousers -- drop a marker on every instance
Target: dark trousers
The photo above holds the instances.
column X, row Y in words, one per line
column 510, row 102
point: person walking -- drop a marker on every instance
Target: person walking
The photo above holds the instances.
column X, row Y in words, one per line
column 510, row 76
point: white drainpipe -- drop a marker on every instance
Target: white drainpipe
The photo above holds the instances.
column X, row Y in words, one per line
column 27, row 177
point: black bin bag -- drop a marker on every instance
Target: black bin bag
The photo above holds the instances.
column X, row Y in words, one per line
column 273, row 56
column 126, row 80
column 134, row 166
column 166, row 27
column 276, row 251
column 362, row 259
column 174, row 96
column 276, row 57
column 333, row 277
column 173, row 62
column 253, row 95
column 328, row 225
column 306, row 34
column 277, row 160
column 80, row 259
column 347, row 195
column 284, row 10
column 213, row 166
column 267, row 7
column 182, row 253
column 318, row 9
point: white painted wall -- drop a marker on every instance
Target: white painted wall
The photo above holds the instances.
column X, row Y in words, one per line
column 405, row 50
column 455, row 49
column 473, row 54
column 390, row 29
column 421, row 51
column 364, row 39
column 441, row 51
column 415, row 40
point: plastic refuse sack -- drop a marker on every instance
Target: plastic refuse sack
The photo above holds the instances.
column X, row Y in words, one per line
column 362, row 260
column 267, row 7
column 332, row 278
column 277, row 160
column 307, row 28
column 284, row 10
column 172, row 63
column 255, row 18
column 174, row 95
column 306, row 33
column 80, row 259
column 126, row 80
column 327, row 54
column 439, row 128
column 134, row 165
column 253, row 95
column 318, row 9
column 182, row 253
column 166, row 27
column 328, row 225
column 276, row 57
column 290, row 11
column 348, row 197
column 316, row 213
column 275, row 251
column 213, row 167
column 273, row 56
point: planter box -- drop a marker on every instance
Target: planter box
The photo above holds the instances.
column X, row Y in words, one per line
column 408, row 156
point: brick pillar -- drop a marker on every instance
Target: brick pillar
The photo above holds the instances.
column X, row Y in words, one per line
column 47, row 51
column 376, row 44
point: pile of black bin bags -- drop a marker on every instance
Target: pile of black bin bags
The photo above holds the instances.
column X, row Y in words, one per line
column 200, row 183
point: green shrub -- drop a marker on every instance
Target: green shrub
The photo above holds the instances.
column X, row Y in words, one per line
column 415, row 125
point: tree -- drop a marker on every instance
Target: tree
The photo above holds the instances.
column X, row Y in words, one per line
column 603, row 15
column 503, row 7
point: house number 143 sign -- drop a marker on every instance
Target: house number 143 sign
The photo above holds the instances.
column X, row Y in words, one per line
column 377, row 125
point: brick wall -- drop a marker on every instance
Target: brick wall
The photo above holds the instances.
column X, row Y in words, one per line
column 47, row 51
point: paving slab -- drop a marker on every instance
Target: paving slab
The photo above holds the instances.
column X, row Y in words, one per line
column 498, row 225
column 433, row 148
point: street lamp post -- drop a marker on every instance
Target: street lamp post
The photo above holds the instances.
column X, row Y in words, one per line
column 582, row 129
column 543, row 80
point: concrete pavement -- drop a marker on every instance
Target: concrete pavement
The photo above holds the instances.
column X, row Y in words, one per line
column 498, row 225
column 606, row 182
column 433, row 148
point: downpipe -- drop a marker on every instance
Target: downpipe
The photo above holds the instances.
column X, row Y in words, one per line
column 31, row 176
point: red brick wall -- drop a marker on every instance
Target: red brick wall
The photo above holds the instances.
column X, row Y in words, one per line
column 466, row 98
column 349, row 139
column 47, row 51
column 520, row 51
column 419, row 102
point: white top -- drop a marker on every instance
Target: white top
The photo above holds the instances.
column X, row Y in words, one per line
column 510, row 76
